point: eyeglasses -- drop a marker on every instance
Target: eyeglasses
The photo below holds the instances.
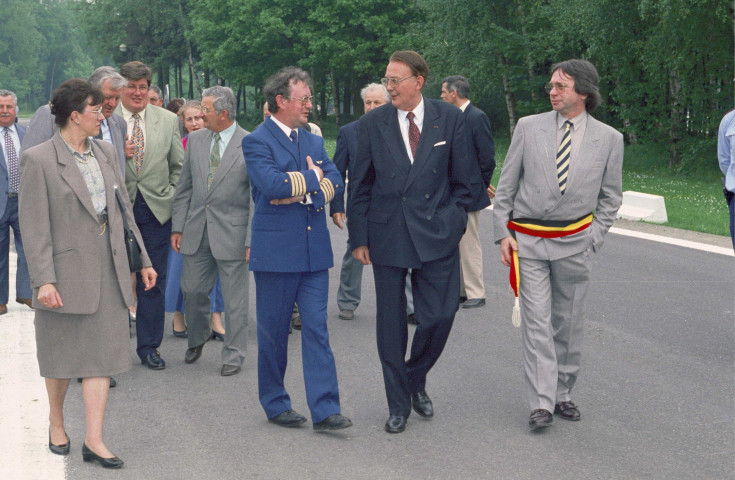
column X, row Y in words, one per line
column 560, row 87
column 205, row 110
column 140, row 88
column 96, row 112
column 303, row 100
column 393, row 81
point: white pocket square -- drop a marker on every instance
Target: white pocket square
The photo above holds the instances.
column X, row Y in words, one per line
column 443, row 142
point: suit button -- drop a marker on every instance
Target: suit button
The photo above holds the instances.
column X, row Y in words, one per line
column 429, row 217
column 426, row 195
column 309, row 227
column 404, row 199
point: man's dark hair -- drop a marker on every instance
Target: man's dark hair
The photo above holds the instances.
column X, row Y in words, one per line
column 280, row 84
column 71, row 96
column 415, row 62
column 586, row 80
column 136, row 70
column 459, row 84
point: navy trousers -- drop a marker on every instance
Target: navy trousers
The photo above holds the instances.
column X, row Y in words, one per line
column 22, row 277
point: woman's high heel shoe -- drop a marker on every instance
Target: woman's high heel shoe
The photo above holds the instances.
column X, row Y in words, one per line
column 59, row 449
column 218, row 336
column 184, row 334
column 89, row 456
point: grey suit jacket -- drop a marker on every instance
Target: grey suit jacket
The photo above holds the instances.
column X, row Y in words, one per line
column 4, row 179
column 162, row 159
column 224, row 208
column 529, row 187
column 42, row 128
column 61, row 232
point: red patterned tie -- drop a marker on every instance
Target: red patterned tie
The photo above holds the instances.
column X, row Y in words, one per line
column 413, row 133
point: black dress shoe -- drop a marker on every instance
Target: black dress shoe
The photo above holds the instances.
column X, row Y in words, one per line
column 153, row 361
column 474, row 303
column 228, row 370
column 89, row 456
column 568, row 411
column 289, row 418
column 59, row 449
column 193, row 354
column 540, row 418
column 218, row 336
column 421, row 404
column 462, row 299
column 178, row 334
column 333, row 422
column 113, row 383
column 395, row 424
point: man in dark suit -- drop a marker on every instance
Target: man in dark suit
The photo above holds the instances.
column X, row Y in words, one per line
column 112, row 129
column 152, row 170
column 408, row 210
column 11, row 137
column 350, row 279
column 292, row 179
column 456, row 90
column 211, row 230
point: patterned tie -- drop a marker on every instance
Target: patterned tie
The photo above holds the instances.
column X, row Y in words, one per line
column 562, row 156
column 413, row 133
column 139, row 143
column 213, row 161
column 12, row 160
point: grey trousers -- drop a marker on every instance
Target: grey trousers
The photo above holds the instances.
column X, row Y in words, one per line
column 552, row 295
column 350, row 282
column 197, row 279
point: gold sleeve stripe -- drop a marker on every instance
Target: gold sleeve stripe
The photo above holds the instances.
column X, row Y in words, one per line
column 298, row 183
column 327, row 189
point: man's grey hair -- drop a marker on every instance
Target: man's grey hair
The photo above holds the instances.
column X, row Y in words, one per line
column 157, row 90
column 459, row 84
column 375, row 86
column 224, row 99
column 99, row 76
column 280, row 84
column 8, row 93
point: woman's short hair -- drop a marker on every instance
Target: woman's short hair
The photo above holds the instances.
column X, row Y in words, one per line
column 71, row 96
column 174, row 105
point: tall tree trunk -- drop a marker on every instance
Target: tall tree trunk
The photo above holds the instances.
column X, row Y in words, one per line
column 239, row 97
column 206, row 80
column 51, row 84
column 192, row 73
column 510, row 102
column 335, row 95
column 180, row 85
column 191, row 82
column 676, row 118
column 346, row 100
column 529, row 62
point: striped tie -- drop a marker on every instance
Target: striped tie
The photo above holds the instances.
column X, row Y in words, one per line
column 562, row 156
column 214, row 158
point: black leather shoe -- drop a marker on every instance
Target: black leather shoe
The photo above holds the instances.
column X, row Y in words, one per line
column 153, row 361
column 89, row 456
column 462, row 299
column 421, row 404
column 568, row 411
column 540, row 418
column 218, row 336
column 333, row 422
column 473, row 303
column 193, row 354
column 289, row 418
column 59, row 449
column 395, row 424
column 228, row 370
column 178, row 334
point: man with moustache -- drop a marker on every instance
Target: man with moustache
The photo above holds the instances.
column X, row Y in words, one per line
column 292, row 179
column 156, row 155
column 155, row 96
column 350, row 279
column 559, row 191
column 11, row 138
column 408, row 210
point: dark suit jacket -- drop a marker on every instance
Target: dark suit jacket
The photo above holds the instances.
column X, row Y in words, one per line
column 4, row 169
column 289, row 238
column 482, row 150
column 408, row 214
column 344, row 156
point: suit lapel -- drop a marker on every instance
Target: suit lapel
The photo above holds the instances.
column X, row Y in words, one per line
column 429, row 136
column 72, row 176
column 151, row 127
column 546, row 144
column 579, row 166
column 282, row 139
column 108, row 176
column 391, row 132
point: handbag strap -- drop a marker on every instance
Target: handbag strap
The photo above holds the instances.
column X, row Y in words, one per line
column 120, row 203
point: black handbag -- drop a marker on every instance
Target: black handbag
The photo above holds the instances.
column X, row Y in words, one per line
column 135, row 262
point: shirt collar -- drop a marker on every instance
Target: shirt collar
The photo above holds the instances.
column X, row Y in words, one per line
column 127, row 114
column 418, row 111
column 87, row 146
column 285, row 128
column 577, row 121
column 463, row 107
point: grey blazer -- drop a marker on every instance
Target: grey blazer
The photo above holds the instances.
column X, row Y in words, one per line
column 42, row 128
column 529, row 188
column 61, row 231
column 224, row 209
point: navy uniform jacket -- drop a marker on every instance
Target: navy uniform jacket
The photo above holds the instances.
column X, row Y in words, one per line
column 407, row 213
column 481, row 154
column 344, row 158
column 289, row 238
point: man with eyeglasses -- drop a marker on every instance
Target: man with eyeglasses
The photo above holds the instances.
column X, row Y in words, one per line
column 155, row 96
column 410, row 190
column 559, row 191
column 292, row 180
column 155, row 155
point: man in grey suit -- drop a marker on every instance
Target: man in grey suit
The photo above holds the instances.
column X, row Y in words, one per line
column 112, row 128
column 11, row 138
column 211, row 228
column 559, row 190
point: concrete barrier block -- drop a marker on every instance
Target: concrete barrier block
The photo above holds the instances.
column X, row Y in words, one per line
column 643, row 206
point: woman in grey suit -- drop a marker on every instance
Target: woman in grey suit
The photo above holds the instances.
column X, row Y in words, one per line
column 78, row 263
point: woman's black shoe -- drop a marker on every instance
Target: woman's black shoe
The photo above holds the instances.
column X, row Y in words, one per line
column 89, row 456
column 59, row 449
column 218, row 336
column 184, row 334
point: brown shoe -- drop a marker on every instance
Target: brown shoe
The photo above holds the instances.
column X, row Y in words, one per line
column 25, row 301
column 3, row 309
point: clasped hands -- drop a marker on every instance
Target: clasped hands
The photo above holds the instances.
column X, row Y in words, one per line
column 300, row 198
